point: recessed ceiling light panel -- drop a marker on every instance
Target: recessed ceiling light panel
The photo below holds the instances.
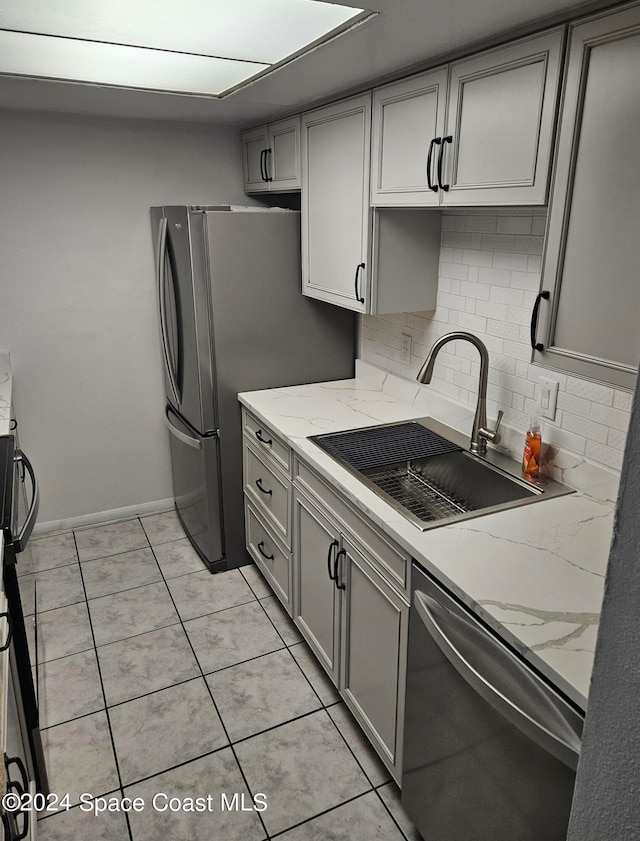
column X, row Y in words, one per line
column 205, row 47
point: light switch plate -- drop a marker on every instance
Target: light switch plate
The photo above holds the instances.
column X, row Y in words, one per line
column 548, row 397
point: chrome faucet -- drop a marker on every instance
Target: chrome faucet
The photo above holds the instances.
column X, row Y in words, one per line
column 479, row 434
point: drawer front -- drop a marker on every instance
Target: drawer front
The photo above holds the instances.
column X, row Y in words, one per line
column 269, row 491
column 392, row 562
column 274, row 562
column 267, row 442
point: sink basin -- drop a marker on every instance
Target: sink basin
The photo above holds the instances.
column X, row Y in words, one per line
column 423, row 470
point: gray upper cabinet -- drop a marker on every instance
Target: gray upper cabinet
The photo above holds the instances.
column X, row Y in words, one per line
column 591, row 268
column 336, row 219
column 271, row 157
column 407, row 118
column 369, row 262
column 481, row 136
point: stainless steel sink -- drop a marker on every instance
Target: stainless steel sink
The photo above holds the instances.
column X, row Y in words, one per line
column 433, row 490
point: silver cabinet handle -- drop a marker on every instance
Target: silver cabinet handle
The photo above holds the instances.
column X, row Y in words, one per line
column 552, row 742
column 25, row 532
column 162, row 305
column 181, row 436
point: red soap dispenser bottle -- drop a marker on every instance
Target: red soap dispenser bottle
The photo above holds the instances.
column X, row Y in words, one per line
column 532, row 450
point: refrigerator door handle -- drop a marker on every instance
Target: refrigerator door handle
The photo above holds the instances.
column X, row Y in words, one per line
column 557, row 744
column 161, row 276
column 181, row 436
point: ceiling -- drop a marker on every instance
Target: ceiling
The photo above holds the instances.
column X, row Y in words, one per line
column 405, row 35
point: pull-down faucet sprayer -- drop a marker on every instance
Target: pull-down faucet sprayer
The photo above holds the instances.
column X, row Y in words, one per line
column 479, row 434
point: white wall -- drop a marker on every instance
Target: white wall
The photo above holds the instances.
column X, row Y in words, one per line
column 77, row 300
column 490, row 262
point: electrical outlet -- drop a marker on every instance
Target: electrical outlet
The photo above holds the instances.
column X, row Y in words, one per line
column 405, row 349
column 548, row 397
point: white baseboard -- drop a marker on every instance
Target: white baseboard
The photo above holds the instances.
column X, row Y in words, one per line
column 102, row 517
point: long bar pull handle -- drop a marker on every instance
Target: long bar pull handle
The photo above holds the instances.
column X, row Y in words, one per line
column 558, row 746
column 161, row 275
column 181, row 436
column 336, row 575
column 448, row 139
column 330, row 556
column 545, row 294
column 359, row 267
column 435, row 142
column 262, row 157
column 267, row 152
column 30, row 521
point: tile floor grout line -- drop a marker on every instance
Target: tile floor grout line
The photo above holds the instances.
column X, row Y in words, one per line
column 104, row 696
column 390, row 813
column 215, row 705
column 346, row 741
column 321, row 814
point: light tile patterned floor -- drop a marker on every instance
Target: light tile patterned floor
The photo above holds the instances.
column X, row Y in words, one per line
column 157, row 677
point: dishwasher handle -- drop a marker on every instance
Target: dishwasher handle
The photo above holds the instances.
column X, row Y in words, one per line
column 565, row 747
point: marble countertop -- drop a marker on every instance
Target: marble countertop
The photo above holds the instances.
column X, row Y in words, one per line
column 535, row 574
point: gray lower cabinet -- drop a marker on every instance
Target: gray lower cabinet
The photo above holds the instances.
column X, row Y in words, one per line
column 354, row 620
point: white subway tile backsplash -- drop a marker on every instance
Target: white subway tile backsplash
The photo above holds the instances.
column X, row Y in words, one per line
column 525, row 280
column 475, row 290
column 576, row 405
column 481, row 224
column 590, row 391
column 490, row 264
column 621, row 400
column 529, row 245
column 513, row 262
column 616, row 438
column 514, row 224
column 609, row 416
column 499, row 242
column 494, row 277
column 500, row 295
column 504, row 329
column 584, row 427
column 477, row 257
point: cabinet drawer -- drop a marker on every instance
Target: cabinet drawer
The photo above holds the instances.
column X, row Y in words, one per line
column 270, row 492
column 273, row 561
column 267, row 442
column 390, row 559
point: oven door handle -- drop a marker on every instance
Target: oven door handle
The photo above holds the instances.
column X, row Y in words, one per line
column 554, row 743
column 25, row 532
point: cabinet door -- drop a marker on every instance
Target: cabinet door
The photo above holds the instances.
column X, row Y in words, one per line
column 373, row 653
column 316, row 542
column 408, row 116
column 254, row 145
column 283, row 155
column 335, row 202
column 593, row 250
column 500, row 121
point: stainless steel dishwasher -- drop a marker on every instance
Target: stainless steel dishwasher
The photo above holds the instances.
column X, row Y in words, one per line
column 490, row 748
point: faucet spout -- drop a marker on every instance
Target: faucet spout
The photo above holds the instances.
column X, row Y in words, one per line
column 479, row 434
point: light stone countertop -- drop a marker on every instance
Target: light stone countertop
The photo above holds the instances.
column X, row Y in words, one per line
column 535, row 573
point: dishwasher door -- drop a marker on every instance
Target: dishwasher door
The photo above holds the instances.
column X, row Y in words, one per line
column 490, row 749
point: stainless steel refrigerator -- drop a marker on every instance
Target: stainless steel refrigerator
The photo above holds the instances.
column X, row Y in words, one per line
column 232, row 319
